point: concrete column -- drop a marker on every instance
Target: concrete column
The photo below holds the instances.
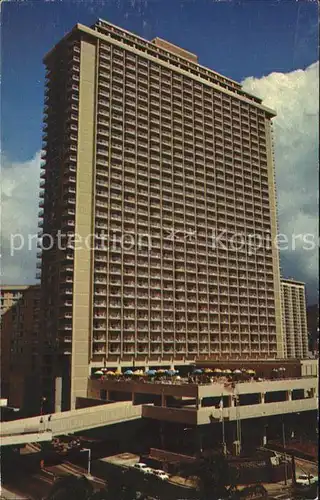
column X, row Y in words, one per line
column 289, row 395
column 262, row 397
column 163, row 400
column 58, row 394
column 198, row 402
column 172, row 367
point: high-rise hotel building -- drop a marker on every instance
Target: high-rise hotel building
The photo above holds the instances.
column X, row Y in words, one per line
column 170, row 166
column 294, row 313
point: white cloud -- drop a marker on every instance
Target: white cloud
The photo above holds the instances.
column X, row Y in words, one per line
column 19, row 215
column 294, row 96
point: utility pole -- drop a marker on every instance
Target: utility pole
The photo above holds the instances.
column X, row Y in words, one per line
column 237, row 403
column 284, row 453
column 224, row 446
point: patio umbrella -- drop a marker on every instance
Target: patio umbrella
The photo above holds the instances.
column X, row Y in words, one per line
column 110, row 372
column 207, row 370
column 237, row 372
column 171, row 372
column 98, row 372
column 198, row 371
column 118, row 372
column 275, row 369
column 227, row 371
column 128, row 372
column 151, row 373
column 138, row 372
column 178, row 377
column 217, row 370
column 161, row 371
column 251, row 372
column 282, row 369
column 104, row 370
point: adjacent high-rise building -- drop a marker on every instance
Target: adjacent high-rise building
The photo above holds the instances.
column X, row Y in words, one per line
column 294, row 313
column 170, row 166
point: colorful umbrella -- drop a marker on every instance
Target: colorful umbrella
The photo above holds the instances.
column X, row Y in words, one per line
column 227, row 371
column 151, row 373
column 170, row 372
column 118, row 372
column 217, row 370
column 251, row 372
column 110, row 372
column 98, row 372
column 237, row 372
column 207, row 370
column 198, row 371
column 128, row 372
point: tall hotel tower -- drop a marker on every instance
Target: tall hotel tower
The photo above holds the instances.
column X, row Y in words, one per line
column 170, row 166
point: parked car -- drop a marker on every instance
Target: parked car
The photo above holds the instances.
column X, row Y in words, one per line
column 161, row 474
column 305, row 479
column 143, row 468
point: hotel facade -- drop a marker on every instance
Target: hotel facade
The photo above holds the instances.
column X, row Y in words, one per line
column 162, row 171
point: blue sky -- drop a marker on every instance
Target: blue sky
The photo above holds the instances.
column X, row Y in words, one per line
column 236, row 38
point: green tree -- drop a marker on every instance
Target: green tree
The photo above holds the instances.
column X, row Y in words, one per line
column 71, row 488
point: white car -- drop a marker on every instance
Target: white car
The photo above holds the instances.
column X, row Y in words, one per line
column 161, row 474
column 143, row 468
column 305, row 479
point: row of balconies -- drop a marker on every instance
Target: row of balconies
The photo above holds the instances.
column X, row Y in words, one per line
column 177, row 350
column 201, row 217
column 177, row 206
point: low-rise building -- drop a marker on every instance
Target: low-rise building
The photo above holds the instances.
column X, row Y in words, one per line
column 19, row 346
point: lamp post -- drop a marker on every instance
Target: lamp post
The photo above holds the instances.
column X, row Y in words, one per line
column 89, row 459
column 43, row 400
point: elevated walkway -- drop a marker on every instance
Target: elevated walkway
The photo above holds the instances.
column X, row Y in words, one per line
column 30, row 430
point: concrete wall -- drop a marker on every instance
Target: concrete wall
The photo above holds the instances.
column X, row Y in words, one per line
column 309, row 367
column 274, row 231
column 82, row 291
